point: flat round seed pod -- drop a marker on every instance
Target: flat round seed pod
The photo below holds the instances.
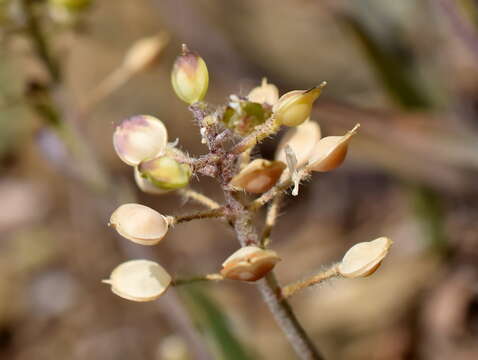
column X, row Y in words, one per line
column 264, row 94
column 363, row 259
column 249, row 263
column 329, row 152
column 258, row 176
column 139, row 280
column 302, row 140
column 139, row 223
column 140, row 138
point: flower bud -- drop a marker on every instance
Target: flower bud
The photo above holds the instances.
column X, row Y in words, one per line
column 249, row 263
column 139, row 223
column 139, row 280
column 264, row 94
column 190, row 77
column 363, row 259
column 146, row 185
column 295, row 107
column 302, row 140
column 165, row 172
column 258, row 176
column 243, row 116
column 140, row 138
column 145, row 52
column 330, row 152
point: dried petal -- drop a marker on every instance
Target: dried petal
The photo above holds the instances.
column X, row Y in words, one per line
column 139, row 280
column 258, row 176
column 264, row 94
column 249, row 263
column 190, row 77
column 140, row 138
column 302, row 140
column 295, row 107
column 139, row 223
column 363, row 259
column 330, row 152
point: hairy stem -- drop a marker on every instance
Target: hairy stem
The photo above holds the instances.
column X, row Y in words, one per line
column 200, row 198
column 293, row 288
column 198, row 278
column 208, row 214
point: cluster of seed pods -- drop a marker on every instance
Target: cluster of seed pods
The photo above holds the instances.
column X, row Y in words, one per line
column 158, row 167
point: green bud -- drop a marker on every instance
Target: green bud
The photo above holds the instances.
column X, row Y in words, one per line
column 295, row 107
column 165, row 172
column 190, row 77
column 243, row 116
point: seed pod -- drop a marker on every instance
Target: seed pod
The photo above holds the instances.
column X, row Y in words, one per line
column 249, row 263
column 145, row 52
column 264, row 94
column 363, row 259
column 139, row 280
column 140, row 138
column 165, row 172
column 330, row 152
column 302, row 140
column 139, row 223
column 146, row 185
column 258, row 176
column 190, row 77
column 295, row 107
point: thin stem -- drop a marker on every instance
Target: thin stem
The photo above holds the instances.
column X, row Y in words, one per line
column 270, row 127
column 293, row 288
column 271, row 218
column 208, row 214
column 200, row 198
column 198, row 278
column 286, row 319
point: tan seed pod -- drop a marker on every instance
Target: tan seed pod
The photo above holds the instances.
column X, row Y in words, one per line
column 295, row 107
column 302, row 140
column 140, row 138
column 139, row 223
column 264, row 94
column 249, row 263
column 258, row 176
column 329, row 152
column 139, row 280
column 364, row 258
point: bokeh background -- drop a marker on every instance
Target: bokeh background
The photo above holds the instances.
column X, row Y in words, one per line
column 406, row 70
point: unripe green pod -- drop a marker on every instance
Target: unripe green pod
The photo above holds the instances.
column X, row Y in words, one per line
column 190, row 77
column 166, row 173
column 295, row 107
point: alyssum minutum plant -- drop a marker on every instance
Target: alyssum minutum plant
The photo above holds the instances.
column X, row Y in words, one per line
column 230, row 133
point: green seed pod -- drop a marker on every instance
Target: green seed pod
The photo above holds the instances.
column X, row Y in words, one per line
column 295, row 107
column 165, row 172
column 190, row 78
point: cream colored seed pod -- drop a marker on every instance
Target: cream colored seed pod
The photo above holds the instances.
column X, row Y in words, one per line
column 302, row 140
column 363, row 259
column 139, row 223
column 264, row 94
column 249, row 263
column 139, row 280
column 295, row 107
column 258, row 176
column 329, row 152
column 140, row 138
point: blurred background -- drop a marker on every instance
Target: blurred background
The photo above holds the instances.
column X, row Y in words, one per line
column 406, row 70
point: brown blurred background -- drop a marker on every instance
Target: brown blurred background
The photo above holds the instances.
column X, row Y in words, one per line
column 406, row 70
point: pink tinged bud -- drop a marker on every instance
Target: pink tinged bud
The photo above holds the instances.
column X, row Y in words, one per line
column 139, row 224
column 330, row 152
column 190, row 77
column 249, row 263
column 302, row 141
column 139, row 280
column 140, row 138
column 295, row 107
column 258, row 176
